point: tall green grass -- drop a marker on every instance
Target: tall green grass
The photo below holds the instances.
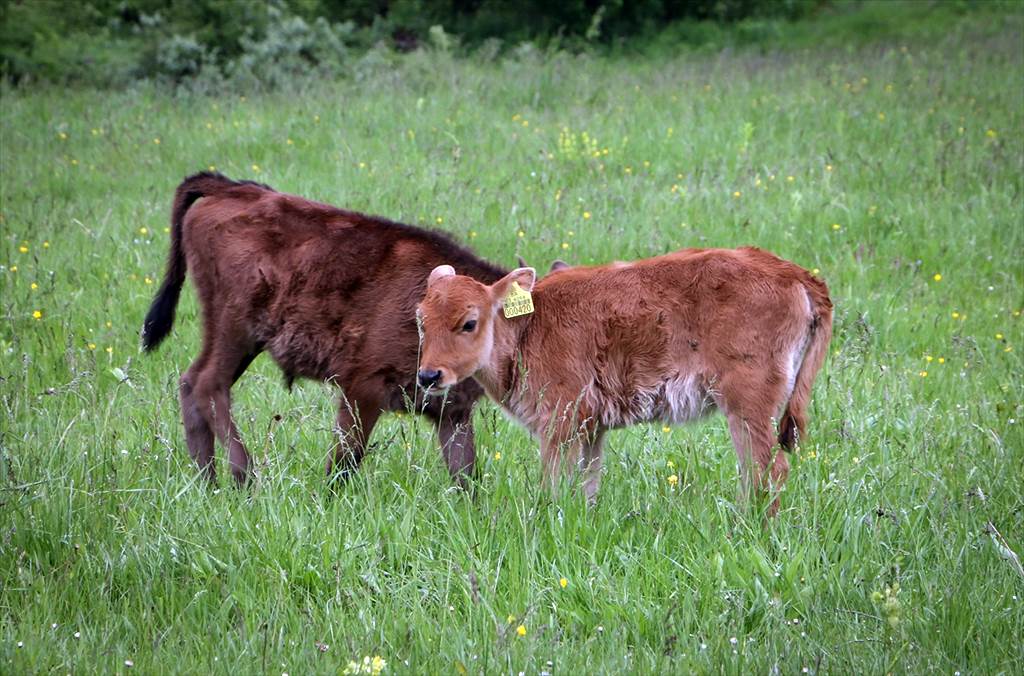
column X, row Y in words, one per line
column 895, row 171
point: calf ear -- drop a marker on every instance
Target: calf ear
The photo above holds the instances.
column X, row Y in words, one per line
column 558, row 265
column 439, row 272
column 524, row 277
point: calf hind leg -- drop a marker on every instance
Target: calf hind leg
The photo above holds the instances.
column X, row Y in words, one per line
column 198, row 431
column 763, row 467
column 212, row 396
column 198, row 434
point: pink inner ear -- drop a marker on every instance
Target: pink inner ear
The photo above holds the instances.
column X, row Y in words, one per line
column 527, row 279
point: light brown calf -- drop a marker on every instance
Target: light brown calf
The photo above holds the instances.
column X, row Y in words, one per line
column 669, row 338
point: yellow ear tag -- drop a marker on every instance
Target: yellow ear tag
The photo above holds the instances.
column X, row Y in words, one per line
column 518, row 302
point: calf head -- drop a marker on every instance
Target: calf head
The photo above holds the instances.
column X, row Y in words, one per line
column 457, row 319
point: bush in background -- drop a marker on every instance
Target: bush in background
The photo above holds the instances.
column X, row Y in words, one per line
column 255, row 43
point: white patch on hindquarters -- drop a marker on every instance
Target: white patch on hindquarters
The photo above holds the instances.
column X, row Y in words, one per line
column 796, row 355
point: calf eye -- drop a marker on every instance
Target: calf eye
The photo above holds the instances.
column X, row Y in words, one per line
column 469, row 326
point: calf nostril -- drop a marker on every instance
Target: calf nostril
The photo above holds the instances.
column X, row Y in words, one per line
column 428, row 378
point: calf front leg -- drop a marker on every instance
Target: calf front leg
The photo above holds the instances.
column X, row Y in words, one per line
column 559, row 460
column 356, row 420
column 455, row 431
column 593, row 451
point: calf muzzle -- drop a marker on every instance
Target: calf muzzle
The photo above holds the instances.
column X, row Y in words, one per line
column 428, row 378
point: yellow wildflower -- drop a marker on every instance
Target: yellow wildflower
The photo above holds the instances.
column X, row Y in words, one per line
column 37, row 314
column 737, row 193
column 923, row 374
column 586, row 214
column 521, row 630
column 497, row 455
column 33, row 286
column 256, row 168
column 565, row 245
column 23, row 249
column 563, row 582
column 937, row 277
column 46, row 245
column 673, row 480
column 92, row 346
column 156, row 141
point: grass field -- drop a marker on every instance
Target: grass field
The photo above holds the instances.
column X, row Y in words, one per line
column 894, row 169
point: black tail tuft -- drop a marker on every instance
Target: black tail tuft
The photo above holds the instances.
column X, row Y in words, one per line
column 788, row 432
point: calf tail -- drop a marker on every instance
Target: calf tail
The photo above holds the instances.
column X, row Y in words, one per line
column 794, row 419
column 160, row 317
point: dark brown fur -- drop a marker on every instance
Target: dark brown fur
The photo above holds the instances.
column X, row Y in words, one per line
column 330, row 294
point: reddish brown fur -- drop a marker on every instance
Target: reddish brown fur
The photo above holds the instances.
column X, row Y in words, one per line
column 330, row 294
column 667, row 338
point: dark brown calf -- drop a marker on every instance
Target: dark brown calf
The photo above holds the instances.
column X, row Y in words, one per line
column 669, row 338
column 330, row 294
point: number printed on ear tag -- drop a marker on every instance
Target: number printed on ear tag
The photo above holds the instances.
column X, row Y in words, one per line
column 518, row 302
